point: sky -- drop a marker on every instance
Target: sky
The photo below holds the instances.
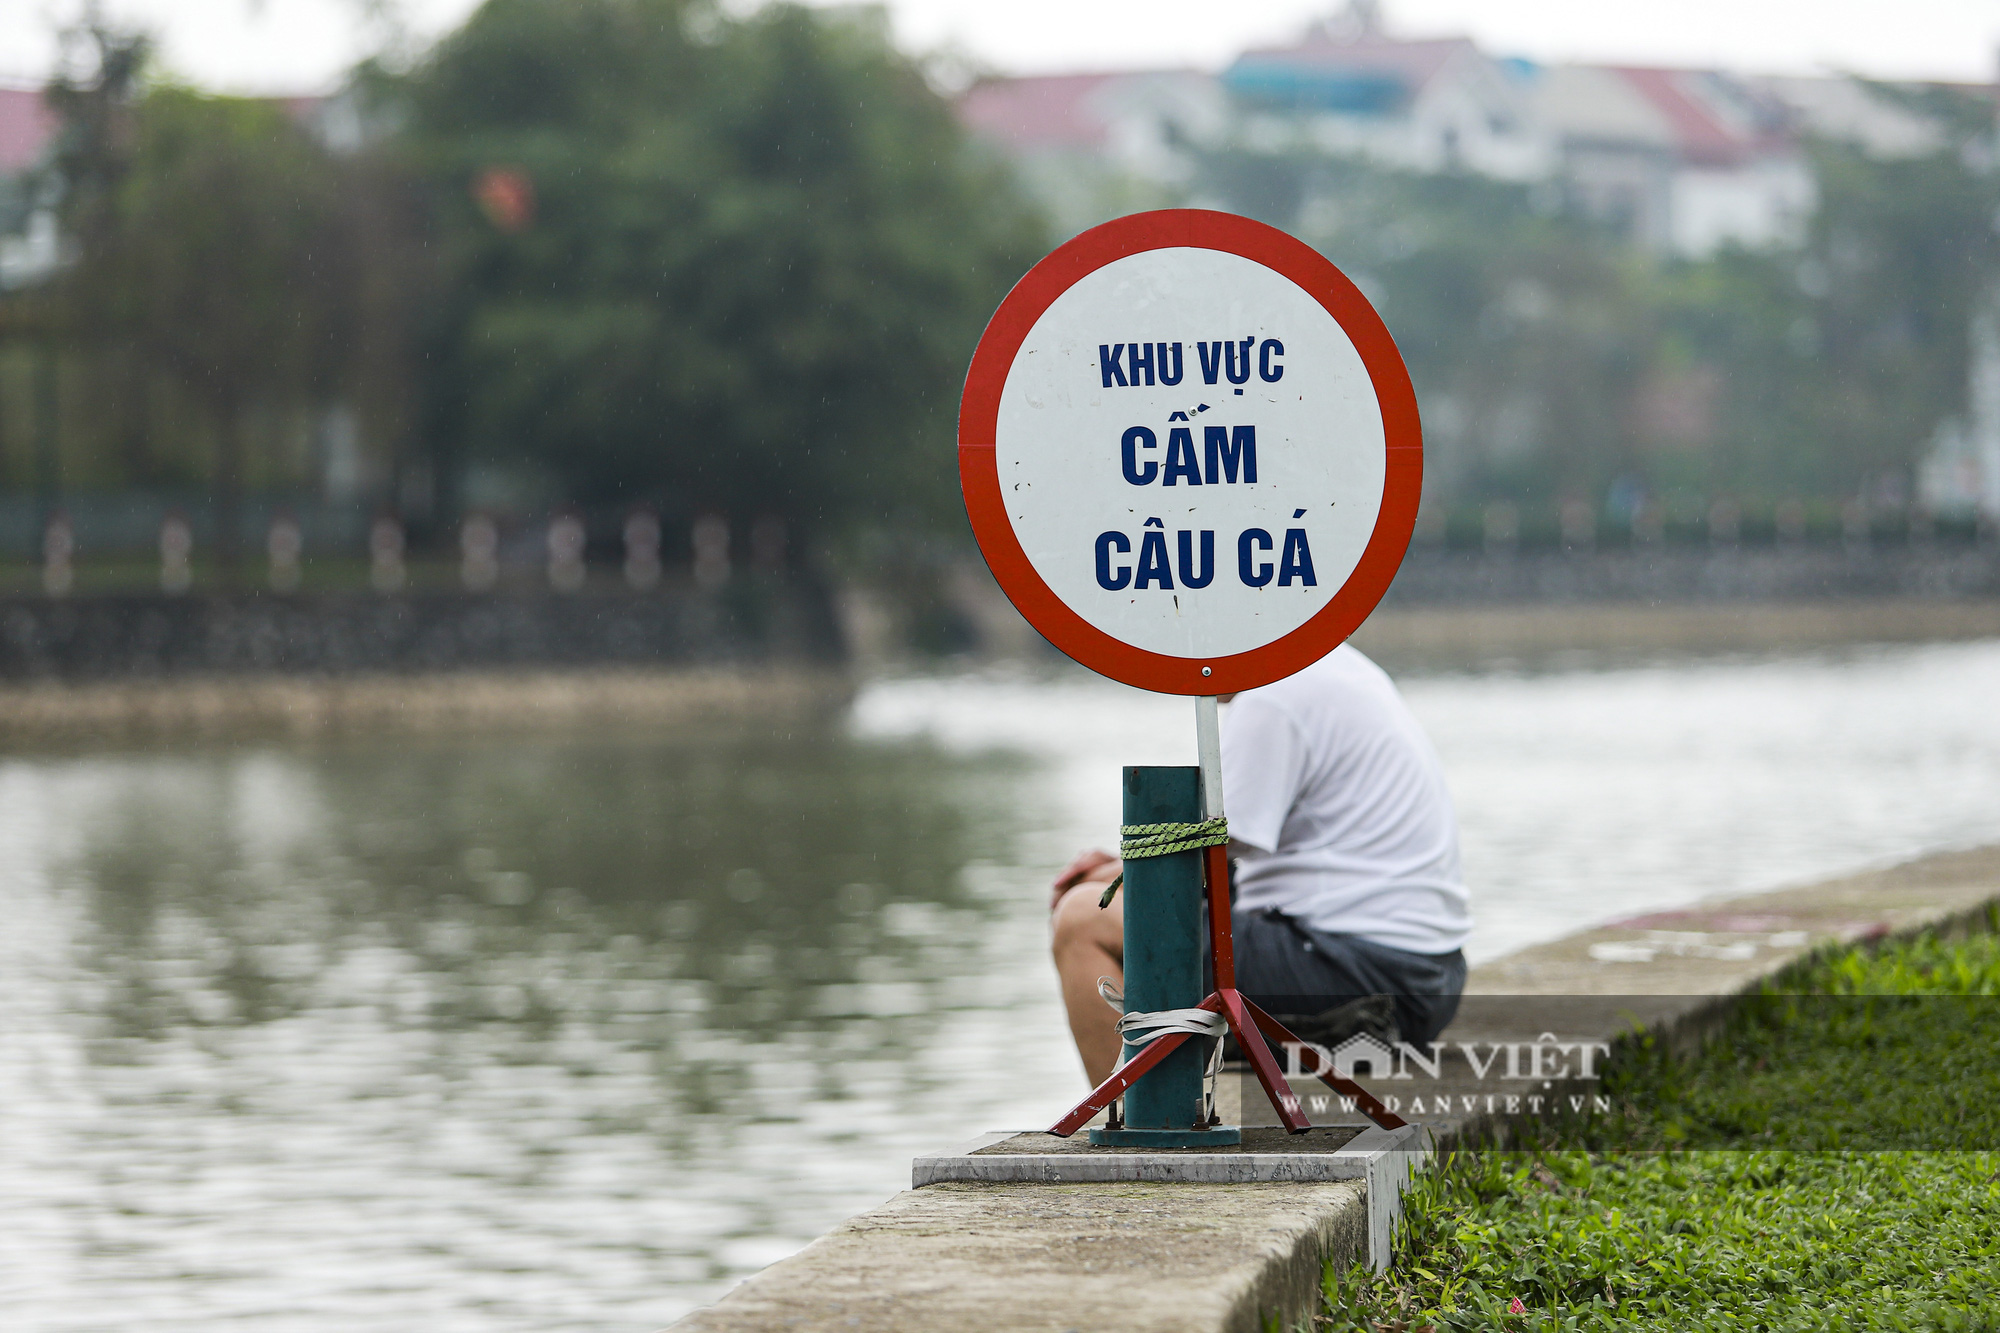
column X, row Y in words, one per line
column 303, row 45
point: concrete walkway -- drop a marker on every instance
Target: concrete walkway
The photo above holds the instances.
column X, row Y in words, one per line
column 1219, row 1258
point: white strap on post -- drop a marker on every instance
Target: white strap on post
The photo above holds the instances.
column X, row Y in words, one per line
column 1138, row 1029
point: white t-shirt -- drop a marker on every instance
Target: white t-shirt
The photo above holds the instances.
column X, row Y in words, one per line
column 1336, row 790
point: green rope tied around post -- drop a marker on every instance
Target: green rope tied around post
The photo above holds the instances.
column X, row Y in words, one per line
column 1142, row 840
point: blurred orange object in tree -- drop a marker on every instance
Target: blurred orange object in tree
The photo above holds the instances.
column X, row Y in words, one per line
column 506, row 196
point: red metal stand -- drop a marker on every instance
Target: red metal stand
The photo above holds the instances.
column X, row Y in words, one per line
column 1247, row 1022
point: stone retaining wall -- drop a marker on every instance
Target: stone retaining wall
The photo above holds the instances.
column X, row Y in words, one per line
column 1432, row 576
column 114, row 637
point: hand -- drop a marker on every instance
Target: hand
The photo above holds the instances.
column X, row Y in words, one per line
column 1086, row 867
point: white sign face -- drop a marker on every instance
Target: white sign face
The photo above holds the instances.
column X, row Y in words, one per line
column 1190, row 452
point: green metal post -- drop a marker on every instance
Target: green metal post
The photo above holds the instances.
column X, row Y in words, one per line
column 1163, row 967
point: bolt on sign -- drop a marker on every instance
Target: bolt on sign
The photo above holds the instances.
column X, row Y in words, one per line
column 1190, row 452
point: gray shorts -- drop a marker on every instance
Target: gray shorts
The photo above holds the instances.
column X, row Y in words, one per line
column 1327, row 982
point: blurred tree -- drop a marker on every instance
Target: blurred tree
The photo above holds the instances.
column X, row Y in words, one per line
column 94, row 95
column 222, row 247
column 1525, row 330
column 730, row 264
column 1552, row 359
column 217, row 254
column 1900, row 256
column 1838, row 358
column 88, row 165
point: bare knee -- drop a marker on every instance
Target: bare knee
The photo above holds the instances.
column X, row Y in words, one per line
column 1080, row 926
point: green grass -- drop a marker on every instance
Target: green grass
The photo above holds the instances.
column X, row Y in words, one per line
column 1625, row 1225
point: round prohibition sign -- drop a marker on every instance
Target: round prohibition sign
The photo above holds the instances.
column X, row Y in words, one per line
column 1190, row 452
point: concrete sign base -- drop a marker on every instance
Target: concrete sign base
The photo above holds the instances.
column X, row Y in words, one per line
column 1383, row 1159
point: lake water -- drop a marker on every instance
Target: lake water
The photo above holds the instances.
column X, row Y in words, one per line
column 573, row 1034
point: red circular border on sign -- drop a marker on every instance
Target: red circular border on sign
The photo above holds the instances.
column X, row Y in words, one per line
column 979, row 475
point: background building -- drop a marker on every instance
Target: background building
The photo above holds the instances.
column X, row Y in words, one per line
column 1680, row 161
column 1535, row 234
column 28, row 247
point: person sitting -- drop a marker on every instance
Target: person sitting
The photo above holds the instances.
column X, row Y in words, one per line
column 1348, row 899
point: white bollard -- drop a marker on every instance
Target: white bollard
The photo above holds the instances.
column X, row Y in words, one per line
column 386, row 573
column 711, row 551
column 58, row 555
column 176, row 555
column 566, row 543
column 479, row 553
column 284, row 544
column 642, row 550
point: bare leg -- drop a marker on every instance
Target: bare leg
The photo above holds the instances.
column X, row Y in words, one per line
column 1088, row 943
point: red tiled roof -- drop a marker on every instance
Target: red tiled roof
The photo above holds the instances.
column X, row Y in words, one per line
column 301, row 107
column 1047, row 111
column 1699, row 135
column 26, row 126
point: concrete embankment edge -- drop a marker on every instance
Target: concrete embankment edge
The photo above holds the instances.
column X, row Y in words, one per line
column 1710, row 950
column 985, row 1258
column 460, row 702
column 1141, row 1257
column 1433, row 637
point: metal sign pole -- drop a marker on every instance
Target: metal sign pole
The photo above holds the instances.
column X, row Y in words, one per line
column 1163, row 947
column 1208, row 746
